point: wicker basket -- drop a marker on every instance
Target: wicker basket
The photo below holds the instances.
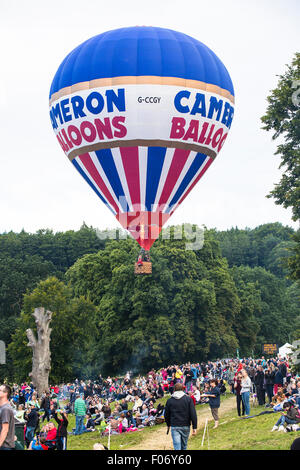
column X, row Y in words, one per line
column 146, row 268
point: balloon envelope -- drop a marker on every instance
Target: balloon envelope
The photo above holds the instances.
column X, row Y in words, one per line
column 141, row 113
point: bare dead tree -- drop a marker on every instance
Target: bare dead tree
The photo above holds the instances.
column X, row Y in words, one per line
column 41, row 358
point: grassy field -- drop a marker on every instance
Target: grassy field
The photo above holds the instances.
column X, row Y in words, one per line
column 244, row 434
column 117, row 442
column 232, row 434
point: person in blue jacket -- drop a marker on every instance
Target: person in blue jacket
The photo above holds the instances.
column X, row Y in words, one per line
column 213, row 395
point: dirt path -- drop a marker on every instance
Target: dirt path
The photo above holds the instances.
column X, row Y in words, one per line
column 159, row 440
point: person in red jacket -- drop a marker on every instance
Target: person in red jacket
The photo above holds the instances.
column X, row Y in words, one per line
column 52, row 431
column 192, row 397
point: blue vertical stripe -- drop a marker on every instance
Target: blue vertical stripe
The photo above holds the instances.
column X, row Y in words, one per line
column 106, row 160
column 192, row 171
column 156, row 158
column 77, row 166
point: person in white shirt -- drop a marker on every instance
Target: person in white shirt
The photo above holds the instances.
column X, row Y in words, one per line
column 245, row 391
column 196, row 394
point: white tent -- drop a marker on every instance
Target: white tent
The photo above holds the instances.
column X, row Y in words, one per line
column 285, row 350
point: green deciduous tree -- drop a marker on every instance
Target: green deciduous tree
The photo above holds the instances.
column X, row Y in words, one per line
column 271, row 306
column 283, row 119
column 73, row 326
column 184, row 311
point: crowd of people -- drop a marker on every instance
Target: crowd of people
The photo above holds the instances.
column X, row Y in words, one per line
column 114, row 405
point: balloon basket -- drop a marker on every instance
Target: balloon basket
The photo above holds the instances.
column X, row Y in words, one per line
column 145, row 268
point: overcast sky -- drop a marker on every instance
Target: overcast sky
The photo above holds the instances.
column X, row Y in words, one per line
column 39, row 188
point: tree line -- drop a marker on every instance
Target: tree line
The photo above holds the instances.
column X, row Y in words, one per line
column 233, row 294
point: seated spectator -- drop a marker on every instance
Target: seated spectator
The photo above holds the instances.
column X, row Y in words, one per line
column 124, row 421
column 142, row 416
column 124, row 404
column 51, row 432
column 137, row 404
column 89, row 424
column 68, row 408
column 106, row 410
column 292, row 417
column 38, row 443
column 99, row 416
column 151, row 409
column 114, row 426
column 278, row 398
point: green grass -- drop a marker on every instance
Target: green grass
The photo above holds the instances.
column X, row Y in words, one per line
column 232, row 434
column 244, row 434
column 117, row 442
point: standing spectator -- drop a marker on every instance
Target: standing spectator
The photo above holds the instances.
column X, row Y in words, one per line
column 80, row 412
column 32, row 419
column 245, row 391
column 72, row 398
column 237, row 388
column 7, row 420
column 278, row 380
column 45, row 405
column 251, row 373
column 62, row 429
column 160, row 391
column 283, row 370
column 214, row 400
column 230, row 378
column 178, row 374
column 195, row 372
column 22, row 400
column 188, row 378
column 179, row 414
column 269, row 381
column 259, row 379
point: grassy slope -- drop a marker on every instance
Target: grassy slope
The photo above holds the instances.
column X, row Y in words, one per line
column 232, row 434
column 245, row 434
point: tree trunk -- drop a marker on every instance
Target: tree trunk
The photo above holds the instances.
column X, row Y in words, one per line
column 41, row 358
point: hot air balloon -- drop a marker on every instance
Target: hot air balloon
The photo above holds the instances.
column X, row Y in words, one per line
column 141, row 113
